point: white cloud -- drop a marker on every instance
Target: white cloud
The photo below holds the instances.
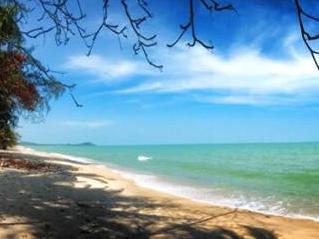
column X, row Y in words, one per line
column 260, row 100
column 88, row 124
column 245, row 77
column 105, row 69
column 249, row 71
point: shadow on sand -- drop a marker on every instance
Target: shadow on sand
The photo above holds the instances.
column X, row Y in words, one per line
column 69, row 212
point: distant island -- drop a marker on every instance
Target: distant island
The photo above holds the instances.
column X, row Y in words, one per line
column 26, row 143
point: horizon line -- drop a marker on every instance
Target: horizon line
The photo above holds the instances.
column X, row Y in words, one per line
column 169, row 144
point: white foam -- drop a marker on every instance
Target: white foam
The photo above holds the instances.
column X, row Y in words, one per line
column 143, row 158
column 215, row 196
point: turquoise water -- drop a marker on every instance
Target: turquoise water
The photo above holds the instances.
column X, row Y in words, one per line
column 273, row 178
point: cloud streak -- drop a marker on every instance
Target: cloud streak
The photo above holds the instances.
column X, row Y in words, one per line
column 105, row 69
column 247, row 71
column 245, row 77
column 88, row 124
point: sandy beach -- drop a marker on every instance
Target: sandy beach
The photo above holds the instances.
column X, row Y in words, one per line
column 68, row 199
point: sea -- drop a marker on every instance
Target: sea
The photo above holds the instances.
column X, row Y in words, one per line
column 272, row 178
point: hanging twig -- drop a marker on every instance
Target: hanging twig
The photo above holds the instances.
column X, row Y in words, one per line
column 190, row 25
column 306, row 37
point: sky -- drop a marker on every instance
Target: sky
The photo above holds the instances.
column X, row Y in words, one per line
column 259, row 83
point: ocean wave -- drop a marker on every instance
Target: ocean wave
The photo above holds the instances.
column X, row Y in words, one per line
column 143, row 158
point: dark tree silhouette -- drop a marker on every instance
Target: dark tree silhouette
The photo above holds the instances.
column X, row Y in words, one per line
column 25, row 86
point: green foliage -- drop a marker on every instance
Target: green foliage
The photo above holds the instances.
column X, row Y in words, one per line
column 9, row 30
column 26, row 87
column 8, row 138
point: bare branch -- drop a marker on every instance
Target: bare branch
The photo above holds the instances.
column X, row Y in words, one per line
column 142, row 41
column 65, row 20
column 104, row 25
column 213, row 5
column 304, row 34
column 62, row 19
column 209, row 5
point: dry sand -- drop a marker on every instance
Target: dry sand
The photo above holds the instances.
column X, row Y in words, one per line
column 80, row 200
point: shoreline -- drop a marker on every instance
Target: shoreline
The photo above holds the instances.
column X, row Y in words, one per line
column 131, row 176
column 201, row 218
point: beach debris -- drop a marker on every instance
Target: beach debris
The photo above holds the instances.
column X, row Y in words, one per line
column 46, row 226
column 83, row 204
column 21, row 192
column 30, row 165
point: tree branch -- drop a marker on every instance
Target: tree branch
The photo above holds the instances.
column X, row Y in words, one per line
column 209, row 5
column 304, row 34
column 143, row 42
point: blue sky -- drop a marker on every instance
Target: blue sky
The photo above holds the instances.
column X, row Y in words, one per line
column 258, row 85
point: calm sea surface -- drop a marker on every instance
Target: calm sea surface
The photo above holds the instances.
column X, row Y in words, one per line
column 273, row 178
